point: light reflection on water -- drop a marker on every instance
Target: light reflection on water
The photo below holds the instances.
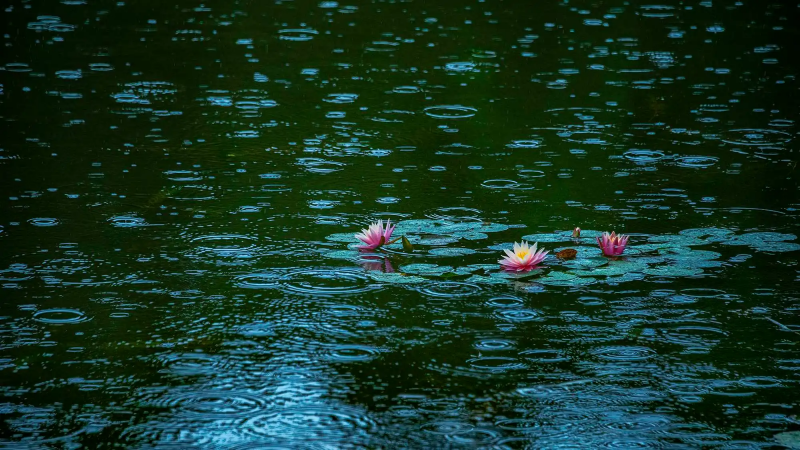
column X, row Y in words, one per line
column 181, row 186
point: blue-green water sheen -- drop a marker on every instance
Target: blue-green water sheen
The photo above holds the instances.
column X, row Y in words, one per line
column 181, row 182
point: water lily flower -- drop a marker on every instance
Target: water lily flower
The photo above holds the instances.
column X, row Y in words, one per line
column 576, row 233
column 612, row 244
column 376, row 235
column 523, row 258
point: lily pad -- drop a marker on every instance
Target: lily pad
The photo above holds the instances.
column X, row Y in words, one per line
column 343, row 254
column 778, row 247
column 766, row 241
column 492, row 227
column 395, row 278
column 673, row 271
column 481, row 279
column 585, row 263
column 613, row 268
column 555, row 276
column 474, row 236
column 464, row 270
column 451, row 251
column 437, row 240
column 562, row 236
column 676, row 240
column 790, row 439
column 630, row 276
column 562, row 279
column 431, row 270
column 708, row 235
column 478, row 267
column 342, row 237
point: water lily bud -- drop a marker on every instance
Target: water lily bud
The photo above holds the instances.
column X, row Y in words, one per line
column 407, row 245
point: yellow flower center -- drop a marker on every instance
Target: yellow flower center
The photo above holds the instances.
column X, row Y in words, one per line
column 522, row 253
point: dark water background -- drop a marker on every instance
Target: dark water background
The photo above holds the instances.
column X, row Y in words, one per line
column 176, row 176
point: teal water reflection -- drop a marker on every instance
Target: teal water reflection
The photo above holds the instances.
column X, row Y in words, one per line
column 182, row 184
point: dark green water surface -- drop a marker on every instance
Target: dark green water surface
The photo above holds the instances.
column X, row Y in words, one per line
column 180, row 183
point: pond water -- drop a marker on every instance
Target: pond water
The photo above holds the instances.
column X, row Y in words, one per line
column 181, row 182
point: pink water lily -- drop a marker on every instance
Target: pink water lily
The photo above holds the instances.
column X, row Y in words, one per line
column 612, row 244
column 376, row 235
column 523, row 258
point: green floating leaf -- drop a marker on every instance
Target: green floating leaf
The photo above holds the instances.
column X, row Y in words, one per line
column 778, row 247
column 789, row 439
column 585, row 263
column 342, row 254
column 431, row 270
column 461, row 227
column 415, row 226
column 450, row 275
column 708, row 234
column 675, row 250
column 481, row 279
column 562, row 236
column 450, row 251
column 688, row 253
column 466, row 270
column 587, row 237
column 342, row 237
column 631, row 276
column 613, row 268
column 651, row 259
column 653, row 247
column 676, row 240
column 501, row 247
column 673, row 271
column 492, row 227
column 473, row 236
column 765, row 236
column 700, row 263
column 437, row 240
column 696, row 259
column 564, row 279
column 477, row 267
column 395, row 278
column 766, row 241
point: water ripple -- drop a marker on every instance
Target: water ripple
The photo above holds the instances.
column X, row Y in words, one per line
column 297, row 34
column 60, row 316
column 212, row 405
column 311, row 422
column 450, row 112
column 755, row 136
column 696, row 162
column 328, row 282
column 623, row 353
column 446, row 289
